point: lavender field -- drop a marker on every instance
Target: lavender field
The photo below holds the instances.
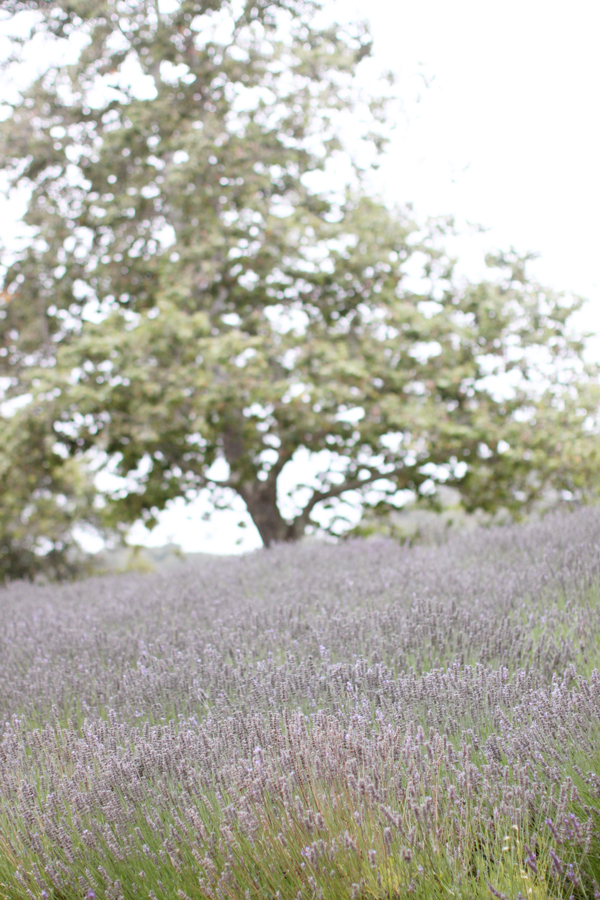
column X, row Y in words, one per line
column 360, row 720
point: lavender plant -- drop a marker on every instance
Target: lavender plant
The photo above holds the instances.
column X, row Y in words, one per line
column 357, row 720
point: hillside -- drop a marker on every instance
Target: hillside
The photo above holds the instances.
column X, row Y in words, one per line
column 355, row 720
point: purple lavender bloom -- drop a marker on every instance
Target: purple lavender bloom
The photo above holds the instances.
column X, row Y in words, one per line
column 552, row 828
column 571, row 875
column 574, row 821
column 557, row 866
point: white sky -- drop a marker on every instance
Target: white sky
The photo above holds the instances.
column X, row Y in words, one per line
column 506, row 135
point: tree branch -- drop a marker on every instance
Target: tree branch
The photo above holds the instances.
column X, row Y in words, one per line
column 337, row 489
column 284, row 456
column 214, row 482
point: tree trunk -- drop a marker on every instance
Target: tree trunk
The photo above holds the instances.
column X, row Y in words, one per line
column 260, row 497
column 261, row 500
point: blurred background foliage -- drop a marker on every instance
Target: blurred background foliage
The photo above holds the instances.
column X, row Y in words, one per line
column 43, row 496
column 191, row 295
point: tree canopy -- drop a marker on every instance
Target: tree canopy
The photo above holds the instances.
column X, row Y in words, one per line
column 44, row 496
column 191, row 293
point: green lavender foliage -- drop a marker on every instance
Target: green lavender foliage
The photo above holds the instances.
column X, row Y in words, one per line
column 355, row 720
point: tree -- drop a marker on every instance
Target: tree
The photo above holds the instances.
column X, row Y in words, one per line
column 190, row 295
column 43, row 496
